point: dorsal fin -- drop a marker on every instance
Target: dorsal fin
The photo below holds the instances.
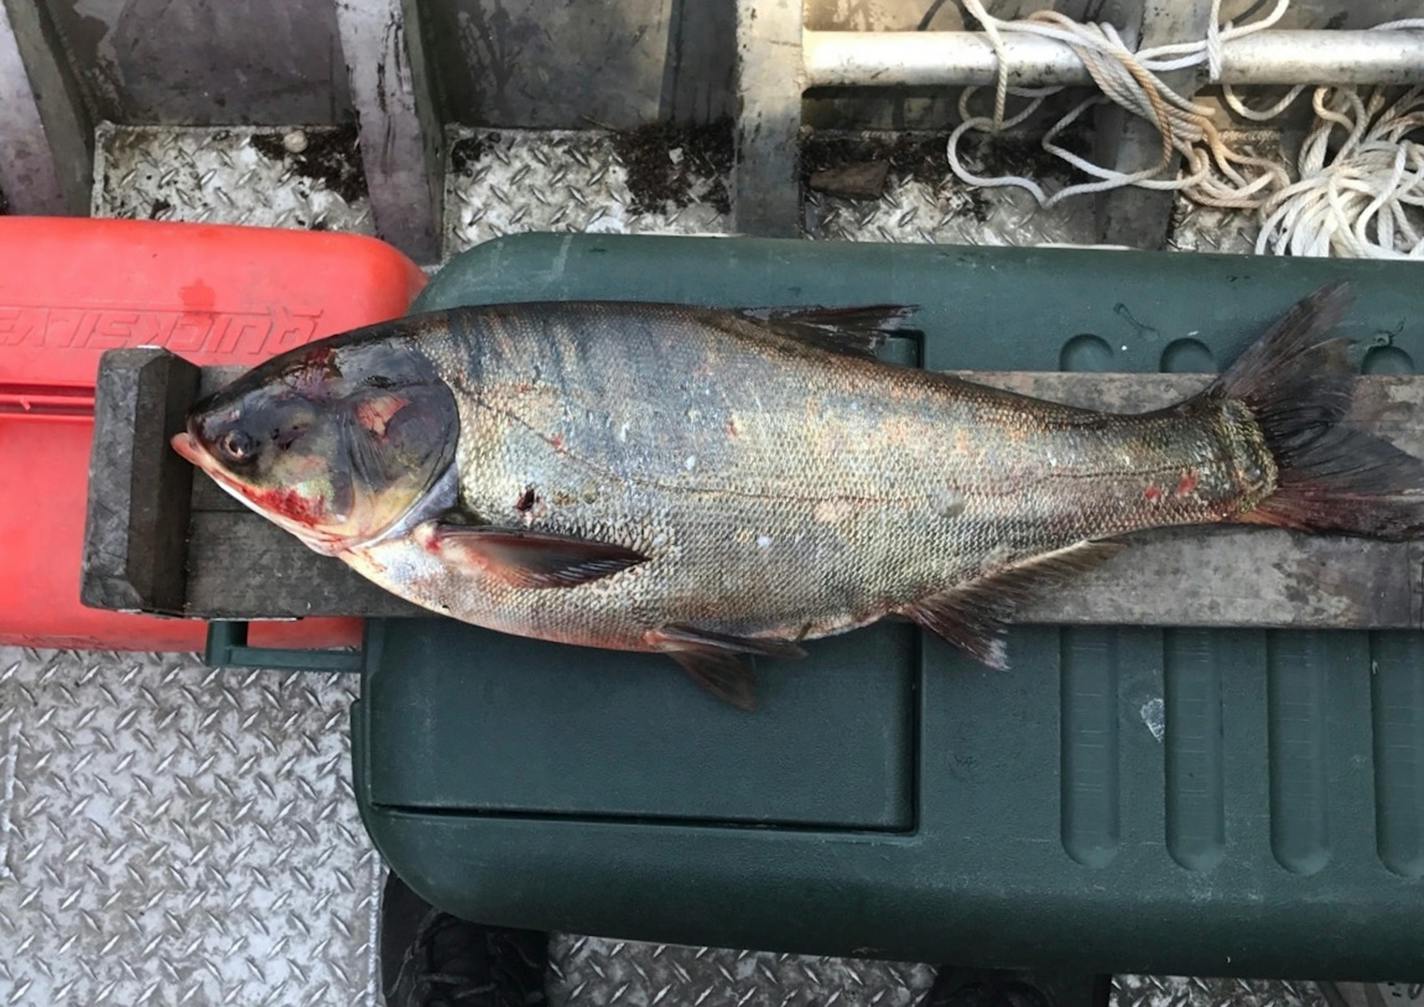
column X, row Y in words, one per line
column 857, row 331
column 974, row 615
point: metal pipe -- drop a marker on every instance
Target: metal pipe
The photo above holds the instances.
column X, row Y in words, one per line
column 911, row 58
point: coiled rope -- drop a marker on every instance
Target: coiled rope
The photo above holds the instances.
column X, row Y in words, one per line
column 1355, row 194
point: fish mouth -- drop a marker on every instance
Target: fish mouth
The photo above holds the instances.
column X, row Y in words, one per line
column 188, row 449
column 191, row 450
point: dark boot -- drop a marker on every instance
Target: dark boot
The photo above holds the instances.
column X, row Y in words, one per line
column 960, row 987
column 432, row 959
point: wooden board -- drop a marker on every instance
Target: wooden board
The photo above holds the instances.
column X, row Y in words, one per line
column 139, row 489
column 236, row 565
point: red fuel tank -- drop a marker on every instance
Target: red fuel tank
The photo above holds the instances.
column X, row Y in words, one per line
column 71, row 288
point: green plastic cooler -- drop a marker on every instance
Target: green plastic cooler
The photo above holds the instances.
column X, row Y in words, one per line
column 1178, row 800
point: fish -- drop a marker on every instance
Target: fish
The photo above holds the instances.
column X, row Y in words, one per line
column 721, row 486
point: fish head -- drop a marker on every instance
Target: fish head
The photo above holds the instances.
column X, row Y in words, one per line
column 335, row 441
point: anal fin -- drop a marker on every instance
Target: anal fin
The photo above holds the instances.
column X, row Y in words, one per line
column 727, row 676
column 719, row 662
column 973, row 616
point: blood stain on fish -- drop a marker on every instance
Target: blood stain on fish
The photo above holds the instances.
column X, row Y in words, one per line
column 287, row 502
column 376, row 414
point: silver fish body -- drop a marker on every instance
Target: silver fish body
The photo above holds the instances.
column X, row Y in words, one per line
column 709, row 483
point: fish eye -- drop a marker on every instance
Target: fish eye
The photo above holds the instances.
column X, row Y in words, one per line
column 237, row 445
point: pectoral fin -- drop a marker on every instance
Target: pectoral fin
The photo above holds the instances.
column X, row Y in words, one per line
column 524, row 558
column 718, row 662
column 974, row 616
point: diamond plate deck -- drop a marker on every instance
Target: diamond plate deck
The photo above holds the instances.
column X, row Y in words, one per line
column 948, row 213
column 594, row 971
column 1176, row 991
column 924, row 201
column 503, row 181
column 500, row 182
column 176, row 834
column 216, row 176
column 591, row 970
column 1197, row 228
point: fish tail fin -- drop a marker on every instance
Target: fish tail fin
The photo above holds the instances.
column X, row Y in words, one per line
column 1297, row 382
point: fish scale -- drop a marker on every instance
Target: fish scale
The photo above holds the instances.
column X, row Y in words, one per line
column 777, row 489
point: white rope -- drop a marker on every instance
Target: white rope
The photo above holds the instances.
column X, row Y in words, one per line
column 1214, row 171
column 1354, row 195
column 1360, row 178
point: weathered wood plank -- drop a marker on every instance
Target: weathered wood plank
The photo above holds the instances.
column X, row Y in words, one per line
column 139, row 489
column 241, row 566
column 244, row 567
column 1235, row 576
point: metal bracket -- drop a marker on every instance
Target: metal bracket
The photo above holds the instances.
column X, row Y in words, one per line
column 227, row 648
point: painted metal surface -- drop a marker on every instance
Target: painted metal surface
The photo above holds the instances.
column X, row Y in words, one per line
column 1130, row 215
column 400, row 136
column 204, row 62
column 45, row 135
column 770, row 79
column 917, row 59
column 517, row 63
column 570, row 63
